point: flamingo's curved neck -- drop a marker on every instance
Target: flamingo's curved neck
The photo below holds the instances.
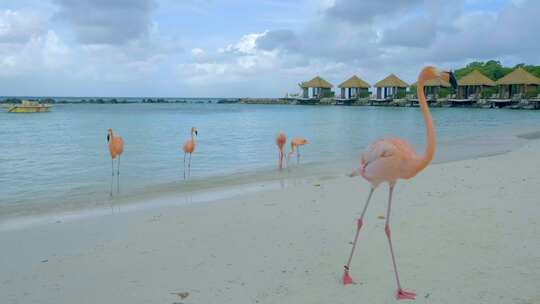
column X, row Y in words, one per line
column 425, row 159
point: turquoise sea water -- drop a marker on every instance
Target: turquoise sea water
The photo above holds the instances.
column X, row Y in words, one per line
column 51, row 160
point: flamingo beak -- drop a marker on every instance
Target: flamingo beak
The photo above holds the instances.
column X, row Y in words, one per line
column 108, row 137
column 196, row 133
column 451, row 79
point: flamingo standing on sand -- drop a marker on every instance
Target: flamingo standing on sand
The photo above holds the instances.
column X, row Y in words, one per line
column 116, row 148
column 387, row 160
column 281, row 139
column 295, row 146
column 189, row 147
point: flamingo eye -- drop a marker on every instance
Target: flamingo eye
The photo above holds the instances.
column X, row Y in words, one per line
column 386, row 154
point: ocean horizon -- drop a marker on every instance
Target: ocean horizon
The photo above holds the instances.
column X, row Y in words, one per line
column 119, row 99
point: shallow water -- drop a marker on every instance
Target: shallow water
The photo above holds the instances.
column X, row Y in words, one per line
column 52, row 160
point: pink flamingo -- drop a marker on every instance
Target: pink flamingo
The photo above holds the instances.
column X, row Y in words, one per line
column 116, row 148
column 189, row 147
column 295, row 146
column 281, row 139
column 387, row 160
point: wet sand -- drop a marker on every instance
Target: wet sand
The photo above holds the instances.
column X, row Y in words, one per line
column 464, row 232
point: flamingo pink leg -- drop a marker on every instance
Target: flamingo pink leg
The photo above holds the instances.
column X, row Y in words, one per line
column 346, row 277
column 184, row 165
column 401, row 294
column 112, row 176
column 118, row 176
column 189, row 166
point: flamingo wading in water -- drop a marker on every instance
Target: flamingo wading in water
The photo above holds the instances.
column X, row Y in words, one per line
column 387, row 160
column 295, row 146
column 189, row 147
column 116, row 148
column 281, row 139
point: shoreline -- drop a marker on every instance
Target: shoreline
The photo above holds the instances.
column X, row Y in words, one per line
column 217, row 188
column 521, row 104
column 457, row 228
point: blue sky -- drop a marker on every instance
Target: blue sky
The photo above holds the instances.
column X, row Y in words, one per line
column 212, row 48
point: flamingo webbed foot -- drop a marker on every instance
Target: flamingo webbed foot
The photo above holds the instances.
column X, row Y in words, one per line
column 402, row 294
column 346, row 279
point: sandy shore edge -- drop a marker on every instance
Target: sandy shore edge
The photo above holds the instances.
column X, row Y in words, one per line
column 464, row 232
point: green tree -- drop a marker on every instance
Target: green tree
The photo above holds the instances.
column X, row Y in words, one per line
column 533, row 69
column 487, row 93
column 363, row 94
column 443, row 93
column 412, row 90
column 492, row 69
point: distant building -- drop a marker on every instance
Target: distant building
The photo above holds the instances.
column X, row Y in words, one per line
column 319, row 88
column 390, row 86
column 519, row 81
column 433, row 86
column 354, row 88
column 473, row 84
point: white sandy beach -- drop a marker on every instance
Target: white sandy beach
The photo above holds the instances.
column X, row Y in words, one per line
column 464, row 232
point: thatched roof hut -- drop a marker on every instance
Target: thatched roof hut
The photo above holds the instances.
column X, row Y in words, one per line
column 519, row 82
column 317, row 82
column 354, row 82
column 391, row 81
column 433, row 86
column 475, row 78
column 320, row 88
column 471, row 85
column 519, row 76
column 354, row 88
column 389, row 87
column 437, row 82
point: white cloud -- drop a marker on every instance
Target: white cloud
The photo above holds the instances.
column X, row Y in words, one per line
column 26, row 45
column 438, row 32
column 246, row 45
column 243, row 64
column 113, row 22
column 417, row 32
column 197, row 52
column 238, row 62
column 339, row 38
column 16, row 27
column 55, row 53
